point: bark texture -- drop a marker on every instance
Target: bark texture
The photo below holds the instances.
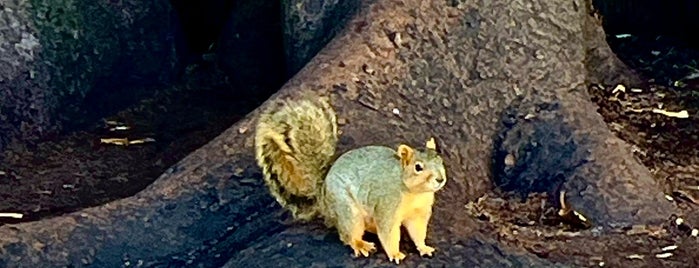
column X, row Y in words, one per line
column 486, row 78
column 58, row 55
column 309, row 25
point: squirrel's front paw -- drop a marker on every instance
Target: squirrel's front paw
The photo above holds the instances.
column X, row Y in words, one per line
column 425, row 250
column 396, row 257
column 363, row 247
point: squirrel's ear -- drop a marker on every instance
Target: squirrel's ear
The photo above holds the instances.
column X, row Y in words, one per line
column 406, row 154
column 430, row 144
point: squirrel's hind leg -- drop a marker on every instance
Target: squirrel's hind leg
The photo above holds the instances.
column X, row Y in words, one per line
column 351, row 227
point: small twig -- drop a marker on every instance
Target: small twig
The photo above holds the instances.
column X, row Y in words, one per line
column 635, row 257
column 680, row 114
column 669, row 248
column 11, row 215
column 663, row 255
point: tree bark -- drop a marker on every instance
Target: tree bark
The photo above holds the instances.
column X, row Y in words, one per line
column 64, row 63
column 309, row 25
column 486, row 78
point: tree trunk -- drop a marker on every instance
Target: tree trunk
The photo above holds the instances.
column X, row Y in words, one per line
column 486, row 78
column 309, row 25
column 65, row 63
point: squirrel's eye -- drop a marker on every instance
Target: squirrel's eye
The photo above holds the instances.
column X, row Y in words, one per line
column 418, row 167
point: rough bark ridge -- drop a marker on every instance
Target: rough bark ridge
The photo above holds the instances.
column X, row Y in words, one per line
column 452, row 70
column 310, row 25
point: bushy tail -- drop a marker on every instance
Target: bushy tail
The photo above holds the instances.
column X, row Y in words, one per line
column 294, row 145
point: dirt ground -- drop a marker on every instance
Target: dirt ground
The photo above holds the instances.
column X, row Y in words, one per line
column 75, row 171
column 71, row 172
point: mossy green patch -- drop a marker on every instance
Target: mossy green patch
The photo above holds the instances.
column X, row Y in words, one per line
column 102, row 46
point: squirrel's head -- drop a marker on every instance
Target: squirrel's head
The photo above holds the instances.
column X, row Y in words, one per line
column 423, row 171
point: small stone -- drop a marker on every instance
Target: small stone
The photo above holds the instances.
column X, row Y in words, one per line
column 509, row 160
column 238, row 171
column 368, row 69
column 679, row 221
column 446, row 103
column 619, row 87
column 539, row 55
column 396, row 39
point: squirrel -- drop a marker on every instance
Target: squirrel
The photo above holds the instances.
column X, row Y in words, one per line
column 372, row 188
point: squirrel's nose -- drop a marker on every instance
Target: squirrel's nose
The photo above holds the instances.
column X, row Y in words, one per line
column 440, row 179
